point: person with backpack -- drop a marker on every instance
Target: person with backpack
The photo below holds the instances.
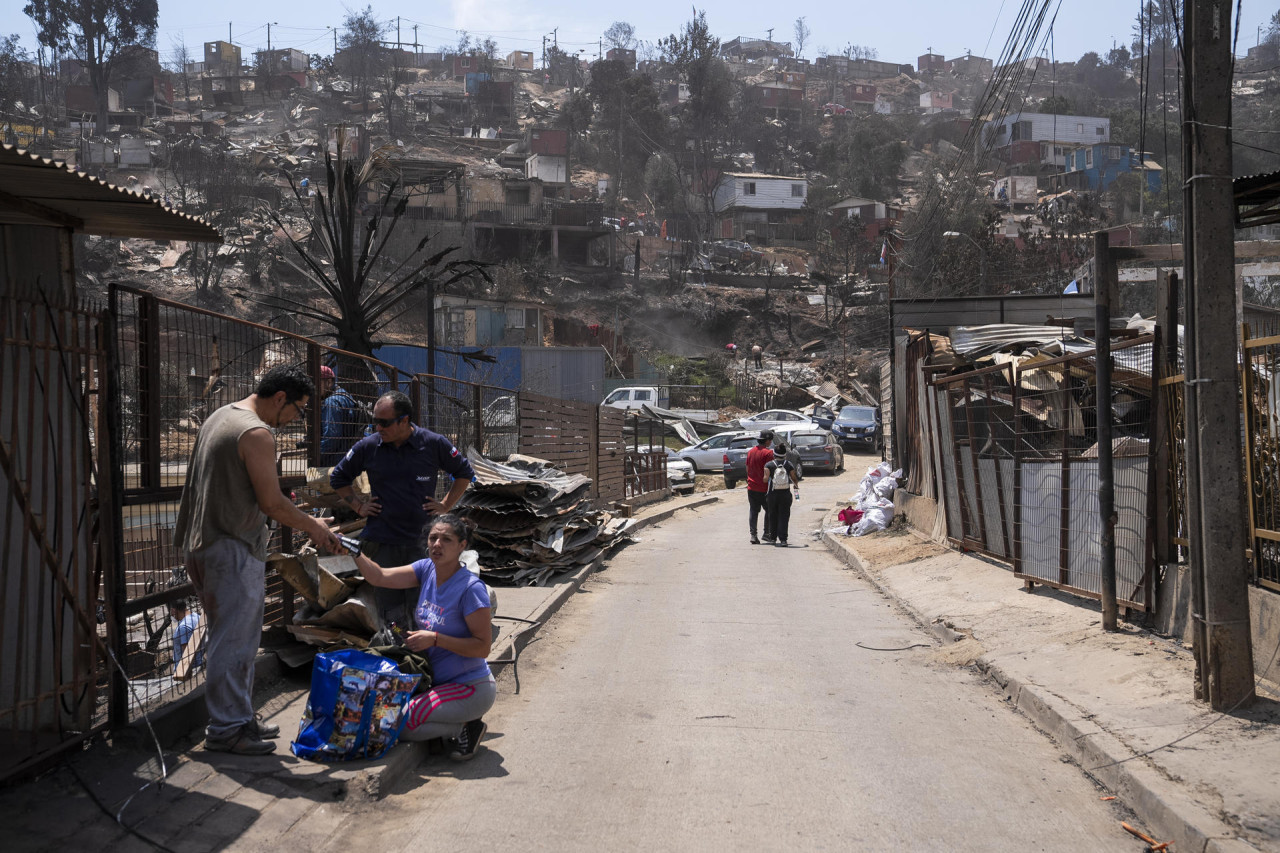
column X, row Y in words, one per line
column 780, row 474
column 342, row 420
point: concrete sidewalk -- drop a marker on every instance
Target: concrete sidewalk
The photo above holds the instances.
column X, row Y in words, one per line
column 213, row 801
column 1121, row 704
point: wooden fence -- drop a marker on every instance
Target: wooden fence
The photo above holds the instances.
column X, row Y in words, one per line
column 577, row 438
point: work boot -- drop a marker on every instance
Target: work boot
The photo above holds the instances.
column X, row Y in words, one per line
column 262, row 729
column 240, row 742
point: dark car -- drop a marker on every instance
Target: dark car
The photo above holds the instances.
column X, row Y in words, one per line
column 819, row 451
column 857, row 425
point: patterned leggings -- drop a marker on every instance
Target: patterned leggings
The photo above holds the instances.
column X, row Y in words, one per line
column 441, row 711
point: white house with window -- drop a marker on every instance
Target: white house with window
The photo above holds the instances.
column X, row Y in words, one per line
column 760, row 208
column 1059, row 132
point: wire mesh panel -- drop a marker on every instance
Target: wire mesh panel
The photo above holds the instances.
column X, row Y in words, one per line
column 1262, row 452
column 976, row 446
column 52, row 647
column 1017, row 445
column 1059, row 525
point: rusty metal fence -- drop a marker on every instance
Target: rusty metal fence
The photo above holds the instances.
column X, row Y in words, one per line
column 1261, row 398
column 1015, row 449
column 175, row 365
column 53, row 645
column 99, row 411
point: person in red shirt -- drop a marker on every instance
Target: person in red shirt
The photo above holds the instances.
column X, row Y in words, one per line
column 757, row 486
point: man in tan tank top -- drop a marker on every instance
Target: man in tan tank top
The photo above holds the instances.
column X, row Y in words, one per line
column 230, row 492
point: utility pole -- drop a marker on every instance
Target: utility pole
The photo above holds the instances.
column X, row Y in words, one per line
column 1104, row 289
column 1216, row 513
column 415, row 42
column 397, row 32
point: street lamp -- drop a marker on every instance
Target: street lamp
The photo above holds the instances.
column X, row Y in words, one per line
column 982, row 255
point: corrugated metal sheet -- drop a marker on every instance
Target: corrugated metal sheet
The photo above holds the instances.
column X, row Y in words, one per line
column 52, row 194
column 569, row 373
column 938, row 314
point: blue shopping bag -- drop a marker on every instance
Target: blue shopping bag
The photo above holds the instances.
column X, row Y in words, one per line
column 356, row 707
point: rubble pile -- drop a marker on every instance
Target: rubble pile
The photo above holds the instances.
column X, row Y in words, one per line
column 533, row 521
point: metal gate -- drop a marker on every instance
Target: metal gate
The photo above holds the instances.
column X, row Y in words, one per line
column 52, row 657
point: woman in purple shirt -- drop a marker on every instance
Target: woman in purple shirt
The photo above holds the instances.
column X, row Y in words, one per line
column 453, row 621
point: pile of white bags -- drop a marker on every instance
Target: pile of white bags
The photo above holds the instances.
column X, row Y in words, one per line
column 875, row 499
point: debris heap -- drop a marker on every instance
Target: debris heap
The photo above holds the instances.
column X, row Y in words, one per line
column 534, row 521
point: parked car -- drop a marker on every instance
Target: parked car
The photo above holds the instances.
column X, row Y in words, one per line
column 836, row 110
column 734, row 464
column 734, row 251
column 635, row 396
column 680, row 474
column 819, row 450
column 858, row 425
column 707, row 456
column 775, row 418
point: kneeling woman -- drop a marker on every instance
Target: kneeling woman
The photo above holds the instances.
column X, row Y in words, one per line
column 453, row 620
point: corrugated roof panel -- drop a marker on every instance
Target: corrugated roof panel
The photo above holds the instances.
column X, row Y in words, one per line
column 37, row 191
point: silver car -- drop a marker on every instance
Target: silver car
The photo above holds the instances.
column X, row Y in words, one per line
column 775, row 419
column 707, row 456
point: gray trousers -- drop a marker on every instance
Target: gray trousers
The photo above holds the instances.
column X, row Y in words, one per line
column 229, row 580
column 441, row 711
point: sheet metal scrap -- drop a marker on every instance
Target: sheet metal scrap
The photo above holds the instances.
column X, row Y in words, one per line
column 534, row 521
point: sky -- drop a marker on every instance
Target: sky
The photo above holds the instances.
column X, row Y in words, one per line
column 945, row 26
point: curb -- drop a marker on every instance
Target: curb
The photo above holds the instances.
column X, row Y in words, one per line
column 1165, row 807
column 372, row 782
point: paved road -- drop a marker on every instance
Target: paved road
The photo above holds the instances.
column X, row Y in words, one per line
column 706, row 694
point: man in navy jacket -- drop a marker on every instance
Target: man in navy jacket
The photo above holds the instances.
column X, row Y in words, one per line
column 403, row 462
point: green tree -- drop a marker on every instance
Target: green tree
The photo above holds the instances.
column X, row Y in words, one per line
column 94, row 31
column 802, row 33
column 628, row 125
column 620, row 35
column 703, row 120
column 360, row 285
column 13, row 76
column 363, row 56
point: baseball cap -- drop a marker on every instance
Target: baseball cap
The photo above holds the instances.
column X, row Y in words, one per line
column 766, row 435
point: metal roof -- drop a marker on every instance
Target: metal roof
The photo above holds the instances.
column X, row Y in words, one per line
column 1257, row 199
column 36, row 191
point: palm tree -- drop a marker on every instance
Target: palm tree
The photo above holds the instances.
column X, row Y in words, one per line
column 348, row 262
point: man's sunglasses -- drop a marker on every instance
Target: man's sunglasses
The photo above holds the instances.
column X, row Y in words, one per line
column 388, row 422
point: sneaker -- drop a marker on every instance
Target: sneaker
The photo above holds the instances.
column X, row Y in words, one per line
column 768, row 540
column 781, row 543
column 261, row 729
column 755, row 540
column 468, row 741
column 241, row 742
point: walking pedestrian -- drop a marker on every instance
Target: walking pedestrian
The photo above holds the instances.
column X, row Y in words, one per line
column 231, row 490
column 757, row 487
column 780, row 475
column 403, row 462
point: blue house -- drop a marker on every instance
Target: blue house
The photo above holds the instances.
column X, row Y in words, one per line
column 1096, row 167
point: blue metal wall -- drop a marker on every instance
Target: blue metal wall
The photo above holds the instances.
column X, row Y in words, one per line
column 569, row 373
